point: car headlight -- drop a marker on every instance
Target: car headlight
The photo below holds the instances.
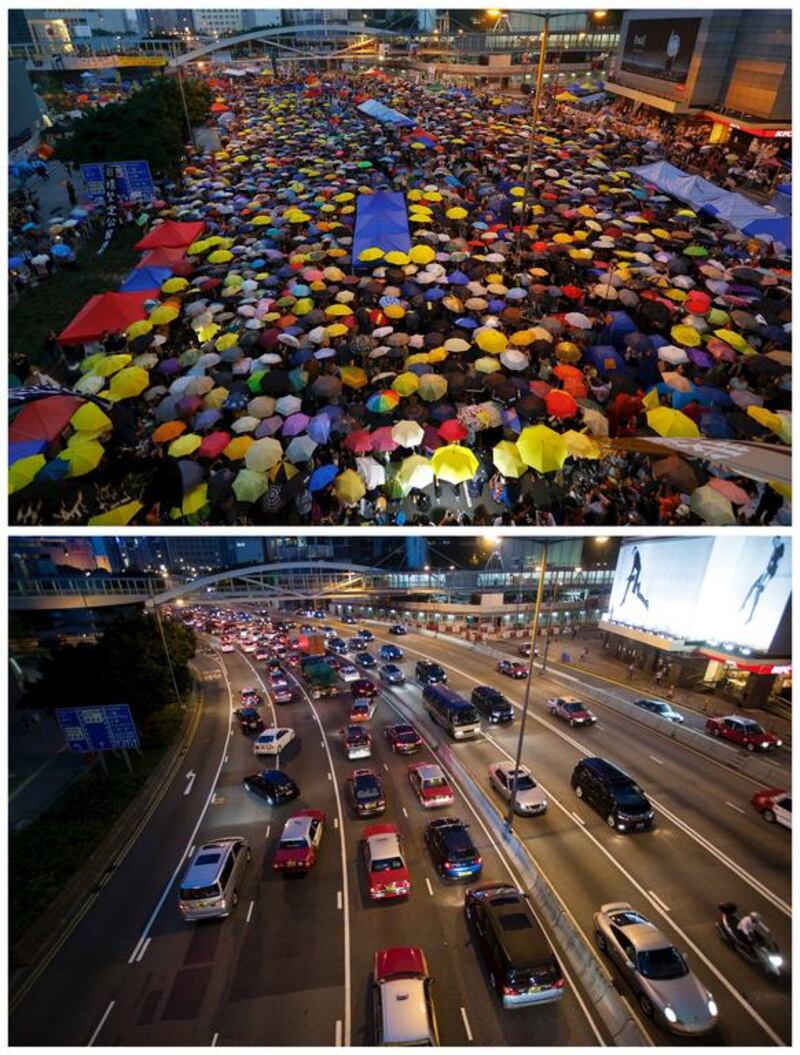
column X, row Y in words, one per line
column 712, row 1006
column 779, row 743
column 775, row 960
column 670, row 1015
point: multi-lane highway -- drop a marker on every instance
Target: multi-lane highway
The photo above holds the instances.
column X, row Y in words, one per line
column 292, row 965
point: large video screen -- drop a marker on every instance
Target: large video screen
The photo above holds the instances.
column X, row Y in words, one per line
column 660, row 47
column 732, row 590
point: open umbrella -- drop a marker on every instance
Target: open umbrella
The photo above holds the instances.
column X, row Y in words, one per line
column 711, row 506
column 542, row 448
column 349, row 487
column 454, row 464
column 407, row 433
column 249, row 485
column 668, row 422
column 415, row 473
column 300, row 449
column 322, row 477
column 506, row 458
column 263, row 455
column 372, row 473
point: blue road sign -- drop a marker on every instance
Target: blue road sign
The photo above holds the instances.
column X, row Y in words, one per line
column 90, row 729
column 134, row 182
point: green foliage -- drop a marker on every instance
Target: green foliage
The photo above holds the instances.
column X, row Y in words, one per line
column 162, row 727
column 126, row 665
column 149, row 125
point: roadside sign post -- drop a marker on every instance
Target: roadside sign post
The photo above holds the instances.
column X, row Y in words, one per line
column 95, row 730
column 134, row 180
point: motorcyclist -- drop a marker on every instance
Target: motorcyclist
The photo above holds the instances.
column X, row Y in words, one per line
column 752, row 928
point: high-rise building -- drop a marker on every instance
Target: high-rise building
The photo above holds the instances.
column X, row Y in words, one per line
column 217, row 20
column 84, row 21
column 18, row 30
column 259, row 17
column 242, row 552
column 165, row 19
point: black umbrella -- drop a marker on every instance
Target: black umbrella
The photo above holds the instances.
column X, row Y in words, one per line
column 220, row 485
column 276, row 383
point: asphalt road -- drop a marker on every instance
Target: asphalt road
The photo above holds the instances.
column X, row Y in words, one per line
column 292, row 965
column 703, row 850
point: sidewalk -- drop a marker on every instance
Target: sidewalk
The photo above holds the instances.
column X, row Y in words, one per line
column 603, row 663
column 40, row 768
column 52, row 192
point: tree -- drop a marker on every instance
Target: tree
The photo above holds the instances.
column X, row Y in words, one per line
column 149, row 125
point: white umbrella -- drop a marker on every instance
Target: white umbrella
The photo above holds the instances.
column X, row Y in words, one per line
column 287, row 405
column 670, row 354
column 373, row 474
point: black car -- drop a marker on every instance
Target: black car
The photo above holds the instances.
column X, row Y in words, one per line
column 349, row 619
column 430, row 673
column 336, row 644
column 272, row 785
column 615, row 795
column 492, row 704
column 453, row 852
column 366, row 792
column 364, row 659
column 365, row 635
column 398, row 629
column 250, row 720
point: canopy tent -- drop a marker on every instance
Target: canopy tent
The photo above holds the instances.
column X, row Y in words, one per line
column 381, row 221
column 171, row 234
column 145, row 278
column 734, row 209
column 106, row 313
column 385, row 114
column 173, row 258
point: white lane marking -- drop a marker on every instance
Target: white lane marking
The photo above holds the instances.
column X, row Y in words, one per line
column 266, row 833
column 329, row 775
column 405, row 811
column 226, row 759
column 580, row 820
column 322, row 743
column 339, row 900
column 190, row 778
column 466, row 1023
column 143, row 950
column 514, row 879
column 428, row 884
column 190, row 841
column 658, row 760
column 386, row 767
column 336, row 822
column 338, row 1035
column 101, row 1023
column 733, row 806
column 250, row 912
column 701, row 840
column 679, row 930
column 657, row 901
column 191, row 851
column 214, row 1040
column 345, row 885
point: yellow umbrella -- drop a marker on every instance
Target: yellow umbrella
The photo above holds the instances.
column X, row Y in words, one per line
column 227, row 340
column 238, row 447
column 397, row 258
column 344, row 196
column 782, row 488
column 349, row 487
column 492, row 341
column 22, row 472
column 118, row 516
column 406, row 383
column 456, row 213
column 353, row 376
column 415, row 472
column 432, row 387
column 90, row 418
column 261, row 220
column 668, row 422
column 336, row 329
column 174, row 285
column 735, row 340
column 184, row 445
column 394, row 311
column 264, row 454
column 215, row 398
column 338, row 309
column 507, row 459
column 82, row 459
column 437, row 355
column 367, row 256
column 136, row 329
column 542, row 448
column 422, row 254
column 685, row 335
column 522, row 338
column 163, row 314
column 110, row 364
column 777, row 423
column 129, row 382
column 220, row 256
column 486, row 365
column 454, row 464
column 580, row 445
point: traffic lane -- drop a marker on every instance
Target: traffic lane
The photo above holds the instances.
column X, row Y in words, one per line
column 225, row 977
column 586, row 877
column 771, row 867
column 432, row 920
column 94, row 959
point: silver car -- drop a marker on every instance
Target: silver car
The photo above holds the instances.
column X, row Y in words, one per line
column 530, row 800
column 656, row 971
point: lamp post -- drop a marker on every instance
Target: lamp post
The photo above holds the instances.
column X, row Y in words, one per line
column 534, row 632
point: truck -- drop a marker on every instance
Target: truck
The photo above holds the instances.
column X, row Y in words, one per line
column 744, row 732
column 319, row 677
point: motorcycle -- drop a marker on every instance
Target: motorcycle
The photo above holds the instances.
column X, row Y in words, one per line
column 762, row 950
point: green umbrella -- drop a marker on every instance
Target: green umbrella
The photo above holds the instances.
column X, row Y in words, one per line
column 249, row 485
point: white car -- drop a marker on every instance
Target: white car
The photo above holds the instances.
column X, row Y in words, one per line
column 250, row 647
column 530, row 799
column 227, row 647
column 272, row 741
column 348, row 673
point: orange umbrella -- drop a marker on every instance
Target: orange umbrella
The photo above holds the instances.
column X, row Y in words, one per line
column 169, row 431
column 560, row 404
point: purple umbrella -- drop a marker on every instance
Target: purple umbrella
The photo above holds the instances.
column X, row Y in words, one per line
column 295, row 424
column 700, row 357
column 169, row 366
column 431, row 439
column 268, row 427
column 189, row 405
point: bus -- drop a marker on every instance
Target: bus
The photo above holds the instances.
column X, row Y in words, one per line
column 451, row 711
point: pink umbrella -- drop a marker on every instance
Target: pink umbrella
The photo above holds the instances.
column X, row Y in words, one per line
column 214, row 444
column 730, row 490
column 382, row 440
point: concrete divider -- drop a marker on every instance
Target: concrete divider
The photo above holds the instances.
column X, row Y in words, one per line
column 750, row 765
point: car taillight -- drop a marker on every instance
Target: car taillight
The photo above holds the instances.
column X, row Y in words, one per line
column 558, row 985
column 448, row 864
column 510, row 990
column 478, row 859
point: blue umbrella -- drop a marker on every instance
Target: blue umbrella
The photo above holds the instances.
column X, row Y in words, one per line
column 322, row 477
column 206, row 419
column 236, row 401
column 435, row 294
column 144, row 278
column 15, row 261
column 319, row 428
column 63, row 251
column 467, row 323
column 56, row 469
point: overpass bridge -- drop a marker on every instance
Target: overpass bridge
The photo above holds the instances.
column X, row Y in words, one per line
column 296, row 582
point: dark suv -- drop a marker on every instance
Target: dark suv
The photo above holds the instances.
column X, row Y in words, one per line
column 492, row 704
column 521, row 964
column 430, row 673
column 615, row 795
column 453, row 852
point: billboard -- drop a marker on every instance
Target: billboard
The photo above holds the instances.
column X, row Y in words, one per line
column 660, row 47
column 729, row 590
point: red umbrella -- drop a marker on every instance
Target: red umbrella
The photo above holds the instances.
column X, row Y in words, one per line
column 214, row 444
column 382, row 440
column 539, row 388
column 573, row 292
column 452, row 431
column 359, row 441
column 43, row 419
column 560, row 404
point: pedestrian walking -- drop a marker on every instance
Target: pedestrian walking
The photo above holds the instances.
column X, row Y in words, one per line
column 73, row 197
column 630, row 671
